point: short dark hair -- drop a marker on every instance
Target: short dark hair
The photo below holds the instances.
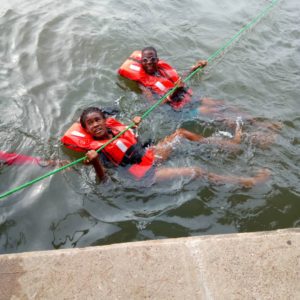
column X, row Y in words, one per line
column 150, row 48
column 87, row 111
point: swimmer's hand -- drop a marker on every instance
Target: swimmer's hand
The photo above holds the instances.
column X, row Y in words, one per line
column 199, row 64
column 92, row 158
column 137, row 121
column 91, row 155
column 168, row 99
column 179, row 83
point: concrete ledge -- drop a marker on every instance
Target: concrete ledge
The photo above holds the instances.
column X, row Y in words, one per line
column 264, row 265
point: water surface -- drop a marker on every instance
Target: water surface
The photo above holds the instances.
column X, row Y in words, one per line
column 60, row 57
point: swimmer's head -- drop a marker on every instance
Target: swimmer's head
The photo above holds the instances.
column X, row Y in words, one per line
column 89, row 110
column 149, row 60
column 93, row 121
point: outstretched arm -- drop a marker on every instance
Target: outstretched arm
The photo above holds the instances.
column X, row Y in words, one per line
column 199, row 64
column 180, row 82
column 93, row 158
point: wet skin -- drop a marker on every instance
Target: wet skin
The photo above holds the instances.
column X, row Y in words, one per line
column 149, row 61
column 96, row 126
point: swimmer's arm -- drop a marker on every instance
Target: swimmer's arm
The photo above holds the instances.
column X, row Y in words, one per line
column 147, row 93
column 199, row 64
column 93, row 158
column 137, row 120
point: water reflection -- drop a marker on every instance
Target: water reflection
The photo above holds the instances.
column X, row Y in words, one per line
column 10, row 238
column 79, row 229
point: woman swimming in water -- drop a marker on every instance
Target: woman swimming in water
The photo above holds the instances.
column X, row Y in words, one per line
column 126, row 151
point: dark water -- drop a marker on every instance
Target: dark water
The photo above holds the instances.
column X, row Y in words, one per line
column 58, row 57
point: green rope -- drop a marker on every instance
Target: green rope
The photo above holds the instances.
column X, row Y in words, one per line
column 212, row 57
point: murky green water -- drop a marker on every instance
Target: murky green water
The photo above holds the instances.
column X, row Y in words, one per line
column 58, row 57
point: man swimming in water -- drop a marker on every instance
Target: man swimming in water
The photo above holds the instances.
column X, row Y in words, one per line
column 156, row 77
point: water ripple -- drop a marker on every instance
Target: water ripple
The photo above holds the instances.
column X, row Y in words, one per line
column 60, row 57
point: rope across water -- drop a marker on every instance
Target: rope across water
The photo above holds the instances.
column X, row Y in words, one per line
column 147, row 112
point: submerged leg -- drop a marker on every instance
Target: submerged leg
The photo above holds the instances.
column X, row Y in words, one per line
column 217, row 108
column 197, row 172
column 260, row 139
column 164, row 148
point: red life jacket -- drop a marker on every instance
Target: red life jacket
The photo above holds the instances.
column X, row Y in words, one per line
column 18, row 159
column 133, row 69
column 76, row 138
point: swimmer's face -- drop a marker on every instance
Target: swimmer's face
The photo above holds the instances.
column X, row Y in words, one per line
column 149, row 61
column 96, row 126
